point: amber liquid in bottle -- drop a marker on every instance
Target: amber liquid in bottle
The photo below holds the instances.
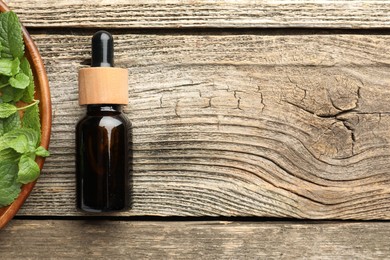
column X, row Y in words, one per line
column 102, row 143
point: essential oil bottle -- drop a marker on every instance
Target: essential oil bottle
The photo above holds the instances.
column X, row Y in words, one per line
column 103, row 136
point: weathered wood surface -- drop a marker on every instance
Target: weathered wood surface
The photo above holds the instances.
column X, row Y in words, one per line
column 206, row 13
column 46, row 239
column 236, row 125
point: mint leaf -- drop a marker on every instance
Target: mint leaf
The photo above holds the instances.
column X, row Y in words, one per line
column 9, row 155
column 10, row 123
column 11, row 36
column 8, row 171
column 9, row 191
column 10, row 94
column 32, row 137
column 7, row 109
column 41, row 151
column 28, row 170
column 3, row 81
column 31, row 118
column 20, row 81
column 6, row 67
column 21, row 140
column 30, row 90
column 9, row 67
column 19, row 144
column 7, row 93
column 15, row 66
column 9, row 187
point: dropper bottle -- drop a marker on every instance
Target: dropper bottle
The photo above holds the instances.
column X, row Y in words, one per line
column 104, row 134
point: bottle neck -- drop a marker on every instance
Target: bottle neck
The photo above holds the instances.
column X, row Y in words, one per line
column 104, row 108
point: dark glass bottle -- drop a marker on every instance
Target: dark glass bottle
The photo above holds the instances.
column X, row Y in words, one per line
column 103, row 136
column 103, row 159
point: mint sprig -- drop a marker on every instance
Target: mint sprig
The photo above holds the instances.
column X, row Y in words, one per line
column 11, row 38
column 20, row 128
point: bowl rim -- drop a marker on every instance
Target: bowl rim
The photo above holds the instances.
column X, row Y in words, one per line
column 41, row 80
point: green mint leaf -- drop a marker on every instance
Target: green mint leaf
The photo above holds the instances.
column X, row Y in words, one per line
column 32, row 137
column 11, row 94
column 9, row 67
column 9, row 187
column 20, row 81
column 6, row 67
column 11, row 36
column 19, row 144
column 31, row 120
column 28, row 169
column 22, row 140
column 15, row 68
column 3, row 81
column 9, row 193
column 11, row 122
column 40, row 151
column 7, row 93
column 9, row 155
column 7, row 109
column 30, row 90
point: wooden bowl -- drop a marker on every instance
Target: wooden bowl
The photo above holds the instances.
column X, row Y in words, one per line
column 42, row 92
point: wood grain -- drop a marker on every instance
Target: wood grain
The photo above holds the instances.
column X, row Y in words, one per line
column 193, row 240
column 236, row 125
column 203, row 14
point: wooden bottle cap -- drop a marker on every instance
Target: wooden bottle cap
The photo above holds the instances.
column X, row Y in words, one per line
column 103, row 85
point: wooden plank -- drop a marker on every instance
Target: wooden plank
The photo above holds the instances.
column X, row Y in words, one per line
column 203, row 14
column 237, row 125
column 193, row 240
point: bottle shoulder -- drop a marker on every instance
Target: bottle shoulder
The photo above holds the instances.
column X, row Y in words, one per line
column 104, row 119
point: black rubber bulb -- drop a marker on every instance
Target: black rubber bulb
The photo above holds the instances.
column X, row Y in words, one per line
column 102, row 49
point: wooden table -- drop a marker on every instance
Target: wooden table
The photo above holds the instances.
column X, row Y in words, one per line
column 261, row 130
